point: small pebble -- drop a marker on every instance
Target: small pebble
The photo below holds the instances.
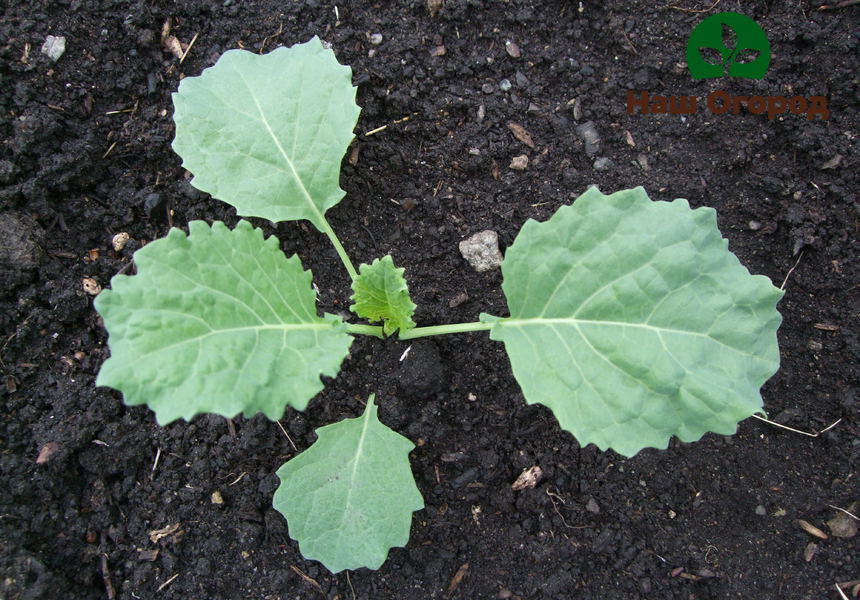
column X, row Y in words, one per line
column 628, row 137
column 843, row 525
column 47, row 451
column 487, row 88
column 505, row 85
column 434, row 6
column 522, row 80
column 832, row 163
column 54, row 47
column 458, row 300
column 91, row 286
column 155, row 204
column 588, row 133
column 217, row 498
column 760, row 510
column 754, row 225
column 376, row 39
column 512, row 49
column 602, row 164
column 119, row 241
column 438, row 51
column 575, row 106
column 592, row 506
column 481, row 251
column 468, row 476
column 519, row 163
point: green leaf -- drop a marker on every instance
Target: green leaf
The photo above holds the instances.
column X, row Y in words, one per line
column 632, row 321
column 266, row 133
column 380, row 293
column 349, row 498
column 218, row 321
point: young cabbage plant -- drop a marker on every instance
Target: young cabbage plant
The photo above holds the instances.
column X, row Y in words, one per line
column 628, row 318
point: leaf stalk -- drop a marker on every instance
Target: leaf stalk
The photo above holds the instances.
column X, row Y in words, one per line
column 419, row 332
column 359, row 329
column 344, row 257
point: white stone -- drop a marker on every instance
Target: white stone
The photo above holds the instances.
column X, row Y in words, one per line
column 520, row 163
column 54, row 47
column 482, row 251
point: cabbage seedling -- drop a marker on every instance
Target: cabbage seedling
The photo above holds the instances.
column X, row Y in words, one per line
column 629, row 318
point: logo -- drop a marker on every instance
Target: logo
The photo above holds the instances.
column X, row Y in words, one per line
column 728, row 44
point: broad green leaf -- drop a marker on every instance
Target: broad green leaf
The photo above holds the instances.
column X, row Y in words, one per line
column 380, row 293
column 349, row 498
column 266, row 133
column 218, row 321
column 632, row 321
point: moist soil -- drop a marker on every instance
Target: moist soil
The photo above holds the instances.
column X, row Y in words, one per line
column 85, row 154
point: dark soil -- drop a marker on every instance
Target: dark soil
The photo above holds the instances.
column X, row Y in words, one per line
column 86, row 154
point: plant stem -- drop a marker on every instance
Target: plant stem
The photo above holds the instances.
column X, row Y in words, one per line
column 418, row 332
column 358, row 329
column 344, row 257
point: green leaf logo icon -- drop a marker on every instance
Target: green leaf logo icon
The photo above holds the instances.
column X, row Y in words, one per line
column 728, row 44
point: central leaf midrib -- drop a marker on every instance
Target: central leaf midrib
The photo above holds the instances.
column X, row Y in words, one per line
column 358, row 452
column 257, row 328
column 310, row 202
column 577, row 321
column 544, row 321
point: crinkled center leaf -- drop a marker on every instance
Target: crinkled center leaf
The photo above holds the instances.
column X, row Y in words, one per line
column 380, row 294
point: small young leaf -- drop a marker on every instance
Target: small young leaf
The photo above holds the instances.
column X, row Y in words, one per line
column 380, row 293
column 632, row 321
column 266, row 133
column 349, row 498
column 218, row 321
